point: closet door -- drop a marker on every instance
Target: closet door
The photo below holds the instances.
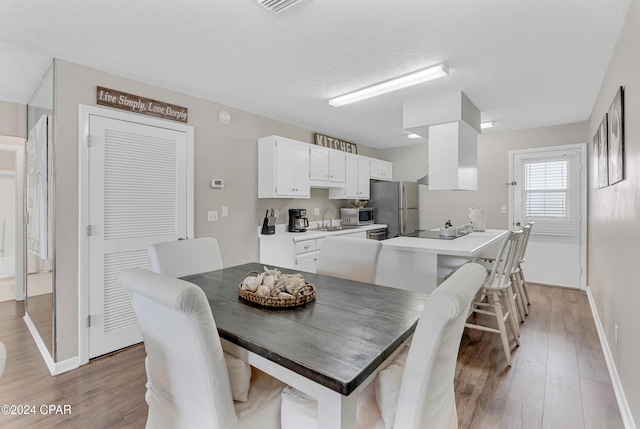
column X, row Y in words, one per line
column 138, row 195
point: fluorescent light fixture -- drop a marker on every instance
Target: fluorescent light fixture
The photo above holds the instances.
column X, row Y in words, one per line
column 413, row 136
column 405, row 81
column 487, row 124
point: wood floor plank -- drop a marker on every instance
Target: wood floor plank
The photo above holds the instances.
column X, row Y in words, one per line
column 562, row 399
column 599, row 405
column 520, row 416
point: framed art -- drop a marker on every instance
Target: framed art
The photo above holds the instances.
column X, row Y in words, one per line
column 615, row 137
column 600, row 156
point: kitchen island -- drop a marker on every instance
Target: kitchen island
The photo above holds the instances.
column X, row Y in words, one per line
column 421, row 264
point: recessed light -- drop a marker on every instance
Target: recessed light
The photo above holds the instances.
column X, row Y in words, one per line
column 401, row 82
column 413, row 136
column 486, row 124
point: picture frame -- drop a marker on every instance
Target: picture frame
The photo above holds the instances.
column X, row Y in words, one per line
column 600, row 156
column 615, row 138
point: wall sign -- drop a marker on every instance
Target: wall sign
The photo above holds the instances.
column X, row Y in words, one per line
column 334, row 143
column 135, row 103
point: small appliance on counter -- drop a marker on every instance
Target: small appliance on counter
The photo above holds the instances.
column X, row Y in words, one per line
column 357, row 216
column 298, row 221
column 269, row 223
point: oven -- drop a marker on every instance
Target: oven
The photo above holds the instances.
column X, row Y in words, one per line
column 377, row 234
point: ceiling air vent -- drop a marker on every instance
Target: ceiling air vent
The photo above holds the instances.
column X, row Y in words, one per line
column 277, row 6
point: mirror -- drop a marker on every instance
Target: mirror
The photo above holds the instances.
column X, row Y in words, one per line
column 39, row 200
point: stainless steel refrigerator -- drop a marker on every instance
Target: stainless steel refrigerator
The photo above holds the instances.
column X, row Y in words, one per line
column 396, row 204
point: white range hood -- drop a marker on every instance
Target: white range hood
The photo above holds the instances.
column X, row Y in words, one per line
column 451, row 124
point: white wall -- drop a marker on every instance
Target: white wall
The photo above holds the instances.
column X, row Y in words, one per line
column 13, row 119
column 614, row 219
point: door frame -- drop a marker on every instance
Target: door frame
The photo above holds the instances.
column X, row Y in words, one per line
column 20, row 261
column 83, row 254
column 582, row 148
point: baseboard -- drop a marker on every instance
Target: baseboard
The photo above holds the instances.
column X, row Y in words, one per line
column 55, row 368
column 625, row 411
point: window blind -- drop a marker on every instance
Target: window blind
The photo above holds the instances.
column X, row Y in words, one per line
column 550, row 193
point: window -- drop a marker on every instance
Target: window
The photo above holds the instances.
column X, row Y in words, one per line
column 548, row 192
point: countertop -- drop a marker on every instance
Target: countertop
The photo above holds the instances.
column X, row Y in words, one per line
column 469, row 245
column 312, row 233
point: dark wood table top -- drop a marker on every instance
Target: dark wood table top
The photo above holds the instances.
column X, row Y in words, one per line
column 338, row 340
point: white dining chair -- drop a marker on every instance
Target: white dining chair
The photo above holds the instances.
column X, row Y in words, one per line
column 3, row 358
column 424, row 391
column 185, row 257
column 188, row 384
column 497, row 298
column 349, row 258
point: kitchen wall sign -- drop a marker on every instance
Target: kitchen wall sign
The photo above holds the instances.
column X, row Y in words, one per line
column 334, row 143
column 135, row 103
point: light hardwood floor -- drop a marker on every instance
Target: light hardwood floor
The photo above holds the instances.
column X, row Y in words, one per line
column 558, row 380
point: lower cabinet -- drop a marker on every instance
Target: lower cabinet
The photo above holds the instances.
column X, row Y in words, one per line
column 297, row 255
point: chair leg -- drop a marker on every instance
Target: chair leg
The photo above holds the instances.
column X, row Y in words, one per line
column 522, row 310
column 497, row 305
column 524, row 284
column 521, row 293
column 512, row 313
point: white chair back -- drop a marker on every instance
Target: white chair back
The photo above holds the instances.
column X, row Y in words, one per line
column 185, row 257
column 426, row 398
column 349, row 258
column 188, row 384
column 526, row 231
column 506, row 261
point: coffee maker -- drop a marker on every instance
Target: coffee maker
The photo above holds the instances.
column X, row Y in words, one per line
column 298, row 221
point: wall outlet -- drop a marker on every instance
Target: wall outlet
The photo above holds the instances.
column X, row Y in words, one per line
column 316, row 211
column 212, row 216
column 503, row 209
column 225, row 211
column 615, row 333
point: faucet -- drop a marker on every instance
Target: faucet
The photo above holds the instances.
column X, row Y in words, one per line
column 330, row 220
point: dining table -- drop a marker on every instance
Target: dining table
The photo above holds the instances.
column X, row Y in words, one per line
column 330, row 348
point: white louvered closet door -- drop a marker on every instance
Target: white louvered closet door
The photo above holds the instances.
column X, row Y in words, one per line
column 138, row 196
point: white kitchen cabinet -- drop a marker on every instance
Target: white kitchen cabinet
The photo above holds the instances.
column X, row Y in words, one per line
column 356, row 181
column 326, row 167
column 305, row 257
column 298, row 255
column 283, row 168
column 380, row 169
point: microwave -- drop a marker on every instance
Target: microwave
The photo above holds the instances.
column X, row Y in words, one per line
column 363, row 216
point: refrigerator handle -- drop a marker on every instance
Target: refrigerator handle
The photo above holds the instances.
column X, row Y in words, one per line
column 404, row 211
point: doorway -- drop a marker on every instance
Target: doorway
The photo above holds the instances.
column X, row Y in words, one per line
column 11, row 219
column 137, row 189
column 548, row 187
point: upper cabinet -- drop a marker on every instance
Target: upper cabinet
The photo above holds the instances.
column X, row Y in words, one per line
column 283, row 168
column 289, row 169
column 380, row 169
column 356, row 181
column 326, row 167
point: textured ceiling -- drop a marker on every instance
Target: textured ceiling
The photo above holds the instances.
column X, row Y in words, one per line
column 525, row 64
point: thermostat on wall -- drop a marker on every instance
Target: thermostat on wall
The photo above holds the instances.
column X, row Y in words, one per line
column 217, row 183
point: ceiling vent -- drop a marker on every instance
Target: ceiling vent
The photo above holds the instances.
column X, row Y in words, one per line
column 277, row 6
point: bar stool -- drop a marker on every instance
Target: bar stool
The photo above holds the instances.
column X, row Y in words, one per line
column 497, row 298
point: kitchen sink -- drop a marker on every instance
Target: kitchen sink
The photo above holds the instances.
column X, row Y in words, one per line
column 336, row 228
